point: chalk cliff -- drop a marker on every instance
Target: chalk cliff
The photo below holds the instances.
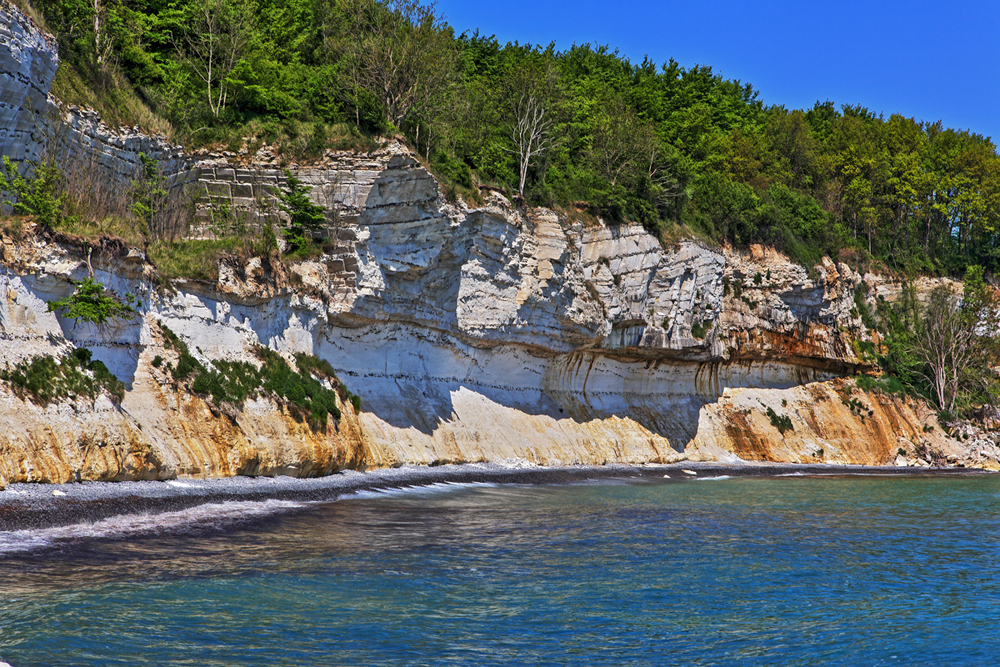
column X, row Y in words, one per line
column 482, row 333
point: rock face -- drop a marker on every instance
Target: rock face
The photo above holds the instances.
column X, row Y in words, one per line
column 471, row 334
column 28, row 63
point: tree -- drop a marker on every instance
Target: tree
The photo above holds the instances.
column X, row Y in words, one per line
column 42, row 194
column 215, row 39
column 305, row 215
column 529, row 118
column 530, row 133
column 957, row 341
column 401, row 52
column 91, row 302
column 147, row 191
column 621, row 144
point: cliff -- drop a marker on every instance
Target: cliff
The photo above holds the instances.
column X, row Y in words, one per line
column 480, row 333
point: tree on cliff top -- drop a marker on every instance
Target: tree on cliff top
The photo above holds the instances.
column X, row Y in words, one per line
column 401, row 51
column 213, row 38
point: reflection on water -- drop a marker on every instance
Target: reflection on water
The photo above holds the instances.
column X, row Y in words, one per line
column 755, row 571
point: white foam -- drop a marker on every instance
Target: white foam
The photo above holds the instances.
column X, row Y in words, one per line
column 714, row 479
column 422, row 490
column 181, row 485
column 213, row 515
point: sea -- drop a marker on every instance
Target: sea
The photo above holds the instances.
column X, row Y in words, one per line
column 683, row 570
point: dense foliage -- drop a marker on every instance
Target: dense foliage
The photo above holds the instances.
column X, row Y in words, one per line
column 665, row 145
column 40, row 195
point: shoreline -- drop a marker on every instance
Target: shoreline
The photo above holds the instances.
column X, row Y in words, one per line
column 25, row 506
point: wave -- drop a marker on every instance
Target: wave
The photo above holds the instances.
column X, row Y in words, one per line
column 419, row 490
column 714, row 479
column 203, row 517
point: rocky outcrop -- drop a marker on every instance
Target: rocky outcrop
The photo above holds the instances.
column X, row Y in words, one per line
column 493, row 332
column 829, row 422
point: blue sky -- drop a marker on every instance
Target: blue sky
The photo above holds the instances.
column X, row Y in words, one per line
column 926, row 60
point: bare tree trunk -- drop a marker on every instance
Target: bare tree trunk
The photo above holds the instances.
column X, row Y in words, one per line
column 530, row 134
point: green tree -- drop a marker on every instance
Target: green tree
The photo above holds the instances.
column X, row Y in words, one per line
column 91, row 302
column 401, row 52
column 214, row 37
column 147, row 192
column 306, row 217
column 41, row 194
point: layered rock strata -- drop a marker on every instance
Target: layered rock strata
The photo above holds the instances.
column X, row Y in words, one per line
column 480, row 333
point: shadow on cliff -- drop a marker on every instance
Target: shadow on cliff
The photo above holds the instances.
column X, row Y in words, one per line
column 663, row 396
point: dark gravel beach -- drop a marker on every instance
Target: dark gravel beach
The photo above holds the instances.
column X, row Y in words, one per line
column 26, row 506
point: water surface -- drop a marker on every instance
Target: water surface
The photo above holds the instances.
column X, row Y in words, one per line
column 791, row 571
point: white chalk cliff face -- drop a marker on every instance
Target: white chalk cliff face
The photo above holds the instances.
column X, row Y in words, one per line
column 471, row 334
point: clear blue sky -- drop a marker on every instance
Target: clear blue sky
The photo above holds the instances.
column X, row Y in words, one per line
column 927, row 60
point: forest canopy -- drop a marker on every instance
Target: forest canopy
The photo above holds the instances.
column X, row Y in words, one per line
column 669, row 146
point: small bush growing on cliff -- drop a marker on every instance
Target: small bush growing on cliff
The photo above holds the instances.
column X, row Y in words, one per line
column 861, row 307
column 147, row 191
column 45, row 379
column 886, row 384
column 41, row 195
column 91, row 302
column 781, row 422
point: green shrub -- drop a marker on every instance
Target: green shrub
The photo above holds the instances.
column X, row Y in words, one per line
column 887, row 384
column 41, row 195
column 698, row 330
column 781, row 422
column 234, row 382
column 861, row 306
column 44, row 379
column 306, row 216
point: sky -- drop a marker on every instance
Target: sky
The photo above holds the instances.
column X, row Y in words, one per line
column 922, row 59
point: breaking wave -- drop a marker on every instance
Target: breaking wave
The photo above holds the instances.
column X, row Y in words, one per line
column 195, row 519
column 422, row 490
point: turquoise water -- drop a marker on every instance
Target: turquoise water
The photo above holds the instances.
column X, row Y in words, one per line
column 752, row 571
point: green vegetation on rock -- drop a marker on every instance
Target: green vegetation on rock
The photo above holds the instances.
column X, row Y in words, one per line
column 46, row 379
column 232, row 383
column 91, row 302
